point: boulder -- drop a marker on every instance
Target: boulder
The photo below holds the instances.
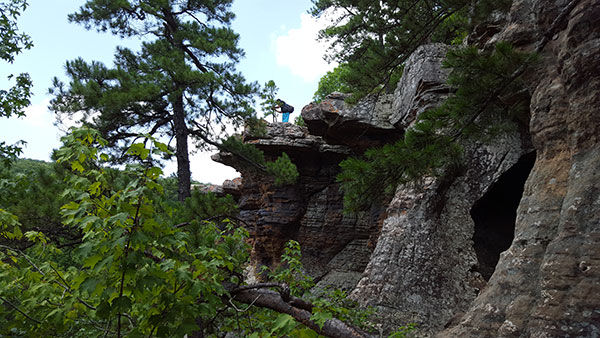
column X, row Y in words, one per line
column 362, row 125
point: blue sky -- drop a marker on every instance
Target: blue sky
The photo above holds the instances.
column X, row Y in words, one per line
column 278, row 37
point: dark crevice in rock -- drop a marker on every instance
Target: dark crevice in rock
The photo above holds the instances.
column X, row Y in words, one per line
column 495, row 214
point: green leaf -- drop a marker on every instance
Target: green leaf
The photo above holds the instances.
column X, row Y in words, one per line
column 76, row 166
column 36, row 236
column 92, row 261
column 90, row 285
column 320, row 317
column 121, row 304
column 283, row 322
column 138, row 149
column 103, row 309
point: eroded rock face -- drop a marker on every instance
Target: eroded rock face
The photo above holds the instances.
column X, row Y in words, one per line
column 360, row 126
column 548, row 283
column 309, row 211
column 431, row 263
column 422, row 86
column 336, row 246
column 425, row 269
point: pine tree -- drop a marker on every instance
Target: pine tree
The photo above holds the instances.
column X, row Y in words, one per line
column 268, row 96
column 333, row 81
column 374, row 38
column 182, row 83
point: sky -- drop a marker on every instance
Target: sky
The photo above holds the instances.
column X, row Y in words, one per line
column 278, row 37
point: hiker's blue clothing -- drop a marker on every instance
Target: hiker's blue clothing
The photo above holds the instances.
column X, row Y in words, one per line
column 286, row 110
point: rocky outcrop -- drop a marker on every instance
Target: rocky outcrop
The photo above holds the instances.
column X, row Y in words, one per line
column 426, row 267
column 309, row 211
column 508, row 246
column 359, row 126
column 421, row 87
column 336, row 246
column 547, row 283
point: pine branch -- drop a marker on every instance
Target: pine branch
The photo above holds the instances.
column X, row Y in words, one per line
column 524, row 67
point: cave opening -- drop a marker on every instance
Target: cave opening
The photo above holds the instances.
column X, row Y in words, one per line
column 495, row 215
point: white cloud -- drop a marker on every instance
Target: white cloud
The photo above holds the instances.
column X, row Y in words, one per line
column 36, row 128
column 37, row 115
column 300, row 51
column 206, row 170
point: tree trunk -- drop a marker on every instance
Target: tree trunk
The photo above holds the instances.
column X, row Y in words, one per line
column 181, row 152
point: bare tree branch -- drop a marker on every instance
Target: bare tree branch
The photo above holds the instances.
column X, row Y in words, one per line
column 333, row 328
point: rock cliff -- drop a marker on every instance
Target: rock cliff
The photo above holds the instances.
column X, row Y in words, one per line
column 335, row 246
column 547, row 284
column 509, row 246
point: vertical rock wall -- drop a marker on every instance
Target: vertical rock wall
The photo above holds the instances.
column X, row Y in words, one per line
column 548, row 283
column 335, row 246
column 425, row 269
column 430, row 262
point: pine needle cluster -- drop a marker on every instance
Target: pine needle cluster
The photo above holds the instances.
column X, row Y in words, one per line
column 373, row 39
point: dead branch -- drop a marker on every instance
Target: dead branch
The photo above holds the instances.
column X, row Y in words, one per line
column 298, row 308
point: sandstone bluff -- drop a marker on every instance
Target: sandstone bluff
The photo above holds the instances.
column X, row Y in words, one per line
column 507, row 247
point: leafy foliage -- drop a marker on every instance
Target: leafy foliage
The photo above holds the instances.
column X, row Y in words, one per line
column 291, row 270
column 299, row 121
column 284, row 171
column 327, row 304
column 485, row 84
column 13, row 100
column 205, row 206
column 403, row 331
column 31, row 190
column 333, row 81
column 374, row 38
column 253, row 155
column 134, row 274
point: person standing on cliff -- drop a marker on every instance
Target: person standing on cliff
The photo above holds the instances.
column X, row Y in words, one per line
column 285, row 109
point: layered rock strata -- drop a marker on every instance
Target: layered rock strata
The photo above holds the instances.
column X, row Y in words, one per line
column 309, row 211
column 547, row 284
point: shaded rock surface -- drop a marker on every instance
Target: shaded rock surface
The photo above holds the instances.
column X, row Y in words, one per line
column 425, row 268
column 422, row 85
column 336, row 246
column 309, row 211
column 547, row 284
column 362, row 125
column 462, row 255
